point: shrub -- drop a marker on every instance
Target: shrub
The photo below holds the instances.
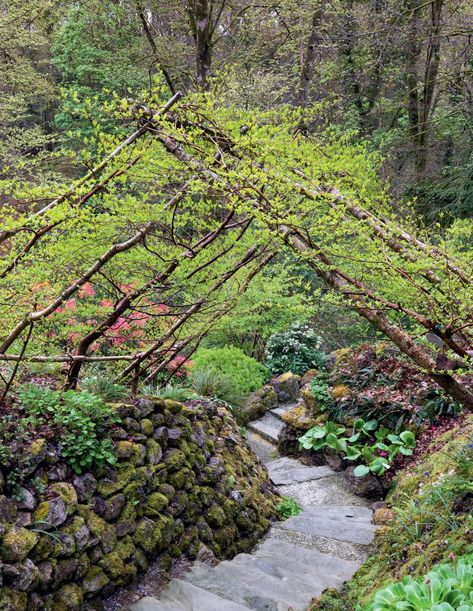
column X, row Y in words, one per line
column 376, row 454
column 246, row 373
column 215, row 385
column 176, row 393
column 104, row 388
column 446, row 587
column 297, row 349
column 82, row 418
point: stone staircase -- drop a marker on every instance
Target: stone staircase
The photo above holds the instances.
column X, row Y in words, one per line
column 320, row 548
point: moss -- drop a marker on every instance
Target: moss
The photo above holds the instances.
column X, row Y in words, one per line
column 125, row 548
column 123, row 449
column 68, row 495
column 12, row 600
column 138, row 454
column 147, row 427
column 37, row 447
column 174, row 460
column 113, row 565
column 95, row 580
column 299, row 418
column 120, row 478
column 173, row 406
column 183, row 478
column 16, row 543
column 156, row 503
column 71, row 596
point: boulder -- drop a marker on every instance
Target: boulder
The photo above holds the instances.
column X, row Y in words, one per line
column 367, row 486
column 257, row 404
column 287, row 387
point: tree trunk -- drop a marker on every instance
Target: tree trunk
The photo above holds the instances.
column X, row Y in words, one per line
column 308, row 62
column 203, row 43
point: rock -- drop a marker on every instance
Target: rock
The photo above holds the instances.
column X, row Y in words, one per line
column 123, row 449
column 16, row 543
column 95, row 580
column 85, row 486
column 64, row 571
column 8, row 510
column 154, row 452
column 24, row 519
column 51, row 513
column 383, row 516
column 156, row 503
column 70, row 597
column 28, row 499
column 257, row 404
column 114, row 506
column 58, row 472
column 28, row 576
column 46, row 570
column 67, row 494
column 308, row 376
column 367, row 486
column 147, row 427
column 287, row 387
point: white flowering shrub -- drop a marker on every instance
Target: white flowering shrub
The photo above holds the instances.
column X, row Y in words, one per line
column 297, row 349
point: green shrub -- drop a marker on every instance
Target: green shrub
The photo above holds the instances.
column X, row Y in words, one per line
column 103, row 387
column 297, row 349
column 83, row 419
column 215, row 385
column 176, row 393
column 376, row 454
column 288, row 507
column 246, row 373
column 447, row 587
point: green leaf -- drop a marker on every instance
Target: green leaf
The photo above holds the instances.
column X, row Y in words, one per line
column 361, row 470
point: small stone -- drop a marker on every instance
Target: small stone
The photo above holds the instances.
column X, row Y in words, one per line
column 24, row 519
column 46, row 569
column 58, row 472
column 70, row 597
column 113, row 507
column 383, row 516
column 51, row 513
column 156, row 503
column 287, row 386
column 28, row 499
column 85, row 486
column 68, row 495
column 28, row 576
column 154, row 452
column 147, row 427
column 123, row 449
column 95, row 580
column 8, row 510
column 16, row 543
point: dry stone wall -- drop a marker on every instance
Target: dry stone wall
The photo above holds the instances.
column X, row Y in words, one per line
column 184, row 477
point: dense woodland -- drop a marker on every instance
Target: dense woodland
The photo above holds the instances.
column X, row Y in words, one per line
column 198, row 195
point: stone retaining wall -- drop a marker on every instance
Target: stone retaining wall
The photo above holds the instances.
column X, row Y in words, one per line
column 184, row 478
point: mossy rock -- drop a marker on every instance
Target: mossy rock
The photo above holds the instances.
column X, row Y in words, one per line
column 67, row 493
column 156, row 503
column 174, row 460
column 94, row 581
column 147, row 427
column 69, row 597
column 16, row 543
column 173, row 406
column 12, row 600
column 113, row 565
column 123, row 449
column 118, row 479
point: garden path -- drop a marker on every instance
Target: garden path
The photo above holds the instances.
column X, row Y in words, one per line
column 320, row 548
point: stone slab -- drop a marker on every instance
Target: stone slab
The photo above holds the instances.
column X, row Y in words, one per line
column 268, row 427
column 342, row 523
column 285, row 471
column 254, row 588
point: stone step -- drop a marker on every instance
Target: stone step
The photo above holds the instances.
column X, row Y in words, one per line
column 253, row 588
column 281, row 410
column 335, row 570
column 264, row 449
column 286, row 471
column 267, row 427
column 340, row 522
column 181, row 595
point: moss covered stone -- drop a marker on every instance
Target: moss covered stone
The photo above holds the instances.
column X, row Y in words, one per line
column 113, row 565
column 117, row 480
column 215, row 516
column 68, row 495
column 95, row 580
column 156, row 503
column 16, row 543
column 70, row 597
column 174, row 460
column 123, row 449
column 12, row 600
column 147, row 427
